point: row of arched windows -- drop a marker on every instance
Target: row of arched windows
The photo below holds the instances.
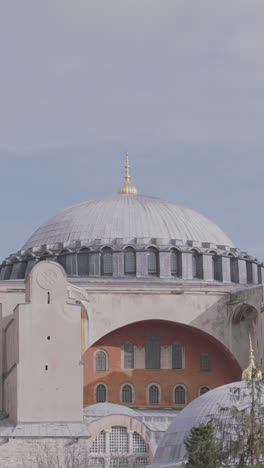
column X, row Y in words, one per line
column 152, row 356
column 153, row 396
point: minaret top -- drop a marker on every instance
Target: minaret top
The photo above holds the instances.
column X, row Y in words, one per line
column 127, row 188
column 252, row 371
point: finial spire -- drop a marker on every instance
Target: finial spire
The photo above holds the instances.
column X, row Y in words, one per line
column 252, row 371
column 127, row 188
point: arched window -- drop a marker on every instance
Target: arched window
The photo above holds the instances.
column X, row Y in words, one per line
column 152, row 351
column 234, row 270
column 197, row 264
column 217, row 267
column 22, row 270
column 128, row 355
column 179, row 395
column 107, row 262
column 130, row 261
column 127, row 394
column 249, row 267
column 83, row 262
column 204, row 364
column 100, row 361
column 204, row 390
column 153, row 262
column 62, row 260
column 8, row 271
column 154, row 395
column 176, row 268
column 139, row 445
column 100, row 395
column 177, row 356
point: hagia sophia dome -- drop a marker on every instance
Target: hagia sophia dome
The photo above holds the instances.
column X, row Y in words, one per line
column 127, row 217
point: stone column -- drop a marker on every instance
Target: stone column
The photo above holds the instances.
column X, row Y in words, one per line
column 208, row 274
column 118, row 265
column 142, row 264
column 242, row 271
column 226, row 273
column 254, row 273
column 165, row 264
column 187, row 273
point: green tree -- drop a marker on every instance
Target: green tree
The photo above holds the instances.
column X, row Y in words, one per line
column 201, row 447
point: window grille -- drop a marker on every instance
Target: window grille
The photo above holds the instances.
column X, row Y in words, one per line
column 153, row 394
column 100, row 361
column 118, row 440
column 141, row 462
column 98, row 445
column 96, row 462
column 205, row 366
column 107, row 262
column 130, row 262
column 100, row 393
column 234, row 270
column 152, row 262
column 120, row 462
column 127, row 394
column 177, row 356
column 217, row 268
column 128, row 355
column 152, row 351
column 204, row 390
column 197, row 265
column 180, row 395
column 139, row 445
column 249, row 272
column 83, row 263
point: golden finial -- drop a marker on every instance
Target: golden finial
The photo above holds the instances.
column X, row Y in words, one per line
column 127, row 188
column 252, row 371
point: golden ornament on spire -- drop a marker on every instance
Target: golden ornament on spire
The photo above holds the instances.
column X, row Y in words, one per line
column 127, row 188
column 252, row 371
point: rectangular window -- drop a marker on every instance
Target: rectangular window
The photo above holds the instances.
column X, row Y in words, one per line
column 177, row 356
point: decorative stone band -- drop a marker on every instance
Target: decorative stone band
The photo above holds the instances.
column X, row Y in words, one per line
column 160, row 259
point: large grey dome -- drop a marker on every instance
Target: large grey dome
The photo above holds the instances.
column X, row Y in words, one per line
column 171, row 449
column 127, row 217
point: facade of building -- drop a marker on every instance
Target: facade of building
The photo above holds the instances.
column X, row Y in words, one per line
column 127, row 300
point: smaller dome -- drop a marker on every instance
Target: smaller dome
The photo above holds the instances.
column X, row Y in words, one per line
column 101, row 410
column 171, row 449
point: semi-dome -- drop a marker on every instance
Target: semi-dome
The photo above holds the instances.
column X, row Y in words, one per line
column 127, row 217
column 171, row 449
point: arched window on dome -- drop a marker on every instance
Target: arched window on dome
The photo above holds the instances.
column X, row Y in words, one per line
column 234, row 274
column 217, row 267
column 127, row 394
column 259, row 274
column 83, row 262
column 100, row 393
column 176, row 263
column 101, row 364
column 153, row 262
column 128, row 355
column 197, row 264
column 177, row 356
column 249, row 267
column 22, row 269
column 130, row 261
column 152, row 351
column 8, row 270
column 153, row 395
column 180, row 395
column 204, row 362
column 107, row 262
column 67, row 259
column 204, row 390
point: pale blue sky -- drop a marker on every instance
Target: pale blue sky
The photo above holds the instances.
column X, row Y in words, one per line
column 179, row 84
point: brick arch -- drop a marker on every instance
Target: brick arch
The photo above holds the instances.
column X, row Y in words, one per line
column 224, row 367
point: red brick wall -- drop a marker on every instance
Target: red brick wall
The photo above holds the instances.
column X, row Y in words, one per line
column 224, row 368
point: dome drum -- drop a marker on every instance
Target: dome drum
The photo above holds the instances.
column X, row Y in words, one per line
column 199, row 261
